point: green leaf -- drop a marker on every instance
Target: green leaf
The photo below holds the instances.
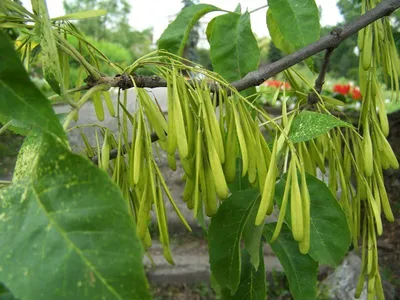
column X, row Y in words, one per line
column 28, row 155
column 252, row 281
column 308, row 125
column 276, row 35
column 61, row 117
column 224, row 237
column 209, row 29
column 301, row 270
column 252, row 236
column 297, row 21
column 67, row 233
column 240, row 183
column 249, row 93
column 19, row 97
column 251, row 233
column 216, row 287
column 15, row 126
column 220, row 293
column 174, row 38
column 238, row 9
column 234, row 50
column 329, row 232
column 82, row 15
column 5, row 294
column 50, row 60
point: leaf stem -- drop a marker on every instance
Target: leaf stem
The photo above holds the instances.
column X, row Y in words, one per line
column 257, row 9
column 5, row 127
column 94, row 73
column 86, row 97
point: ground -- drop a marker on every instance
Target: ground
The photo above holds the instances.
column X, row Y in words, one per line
column 200, row 291
column 9, row 147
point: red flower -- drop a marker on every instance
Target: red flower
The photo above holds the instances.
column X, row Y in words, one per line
column 356, row 94
column 274, row 83
column 277, row 84
column 343, row 89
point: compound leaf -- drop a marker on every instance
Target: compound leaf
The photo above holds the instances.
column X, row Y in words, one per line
column 174, row 38
column 20, row 100
column 329, row 231
column 252, row 281
column 308, row 125
column 225, row 234
column 67, row 232
column 297, row 20
column 301, row 270
column 234, row 50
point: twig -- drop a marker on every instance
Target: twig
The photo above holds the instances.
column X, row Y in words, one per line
column 79, row 104
column 258, row 8
column 124, row 82
column 257, row 77
column 114, row 152
column 319, row 82
column 71, row 91
column 5, row 127
column 332, row 40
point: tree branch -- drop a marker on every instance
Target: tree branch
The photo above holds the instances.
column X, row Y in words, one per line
column 257, row 77
column 114, row 152
column 319, row 82
column 124, row 82
column 332, row 40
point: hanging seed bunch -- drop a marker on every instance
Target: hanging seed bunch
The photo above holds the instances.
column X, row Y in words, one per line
column 377, row 53
column 210, row 128
column 349, row 157
column 209, row 140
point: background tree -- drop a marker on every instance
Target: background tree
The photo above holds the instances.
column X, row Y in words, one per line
column 114, row 21
column 114, row 26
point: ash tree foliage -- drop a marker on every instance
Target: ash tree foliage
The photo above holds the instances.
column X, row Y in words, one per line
column 76, row 226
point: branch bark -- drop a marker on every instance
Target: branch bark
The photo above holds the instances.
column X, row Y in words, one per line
column 257, row 77
column 319, row 82
column 124, row 150
column 332, row 40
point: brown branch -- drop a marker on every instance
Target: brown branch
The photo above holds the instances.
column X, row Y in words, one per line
column 319, row 82
column 114, row 152
column 332, row 40
column 257, row 77
column 124, row 81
